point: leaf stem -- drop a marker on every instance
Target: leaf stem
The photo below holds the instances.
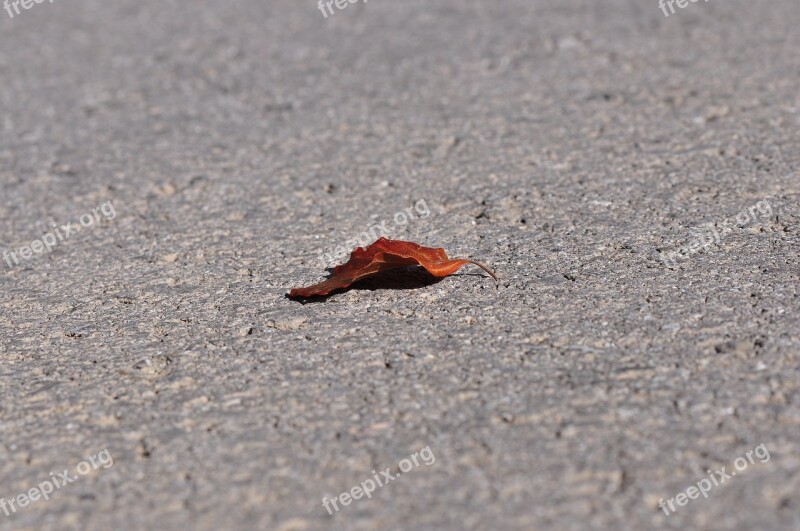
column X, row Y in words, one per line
column 491, row 273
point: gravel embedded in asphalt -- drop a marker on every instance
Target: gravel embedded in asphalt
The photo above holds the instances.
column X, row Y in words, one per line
column 597, row 155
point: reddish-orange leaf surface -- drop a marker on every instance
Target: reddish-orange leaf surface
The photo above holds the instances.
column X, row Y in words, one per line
column 382, row 255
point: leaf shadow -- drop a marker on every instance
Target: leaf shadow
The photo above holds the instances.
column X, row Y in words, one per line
column 413, row 277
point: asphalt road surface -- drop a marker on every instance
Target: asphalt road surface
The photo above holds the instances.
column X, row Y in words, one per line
column 170, row 169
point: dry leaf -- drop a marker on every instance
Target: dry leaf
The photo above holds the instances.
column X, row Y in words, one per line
column 383, row 255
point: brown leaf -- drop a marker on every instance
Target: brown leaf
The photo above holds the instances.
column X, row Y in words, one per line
column 383, row 255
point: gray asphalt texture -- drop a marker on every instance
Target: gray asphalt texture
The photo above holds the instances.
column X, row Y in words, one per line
column 568, row 144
